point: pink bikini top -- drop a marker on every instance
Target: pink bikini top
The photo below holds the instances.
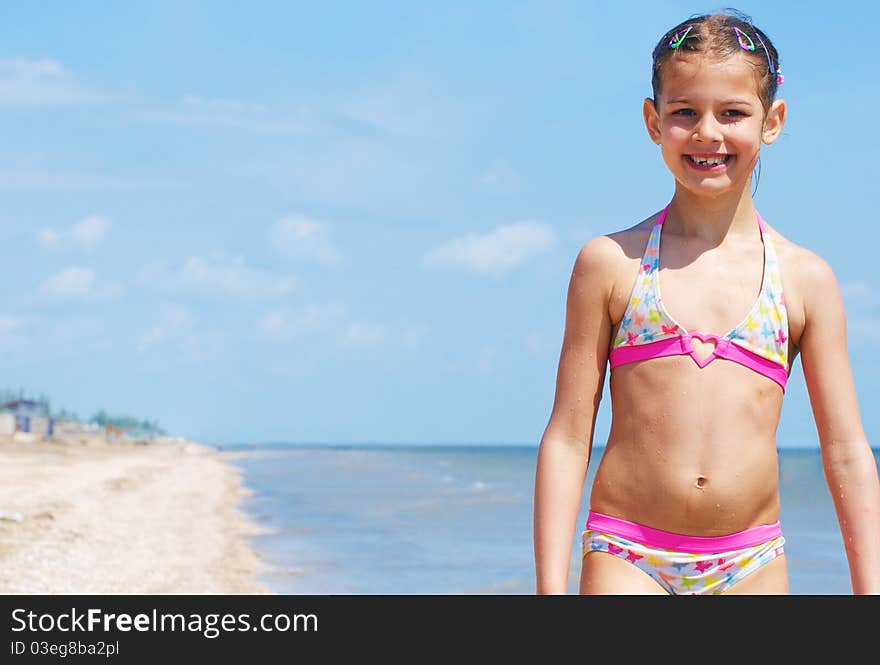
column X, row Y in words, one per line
column 759, row 341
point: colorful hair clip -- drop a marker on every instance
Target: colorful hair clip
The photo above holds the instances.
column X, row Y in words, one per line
column 750, row 46
column 769, row 59
column 741, row 37
column 675, row 41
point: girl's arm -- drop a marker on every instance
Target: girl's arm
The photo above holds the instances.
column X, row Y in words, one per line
column 564, row 453
column 847, row 458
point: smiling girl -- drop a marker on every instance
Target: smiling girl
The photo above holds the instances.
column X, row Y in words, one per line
column 686, row 496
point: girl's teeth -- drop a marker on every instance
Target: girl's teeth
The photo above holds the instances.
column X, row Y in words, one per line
column 709, row 162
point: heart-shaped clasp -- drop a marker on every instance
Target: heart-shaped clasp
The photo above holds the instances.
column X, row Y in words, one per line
column 703, row 348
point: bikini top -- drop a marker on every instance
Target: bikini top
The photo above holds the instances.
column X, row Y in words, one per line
column 759, row 341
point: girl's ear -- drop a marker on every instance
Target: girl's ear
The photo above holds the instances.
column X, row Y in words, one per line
column 773, row 122
column 652, row 120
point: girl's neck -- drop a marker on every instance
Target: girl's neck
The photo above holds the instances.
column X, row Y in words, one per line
column 710, row 219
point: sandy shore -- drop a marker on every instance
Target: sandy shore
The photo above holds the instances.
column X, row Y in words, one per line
column 89, row 516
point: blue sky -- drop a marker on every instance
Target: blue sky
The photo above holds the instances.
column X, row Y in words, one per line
column 356, row 222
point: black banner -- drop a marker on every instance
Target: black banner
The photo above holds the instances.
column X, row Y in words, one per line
column 129, row 629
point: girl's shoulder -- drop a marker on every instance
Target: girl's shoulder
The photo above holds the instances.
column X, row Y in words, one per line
column 809, row 283
column 618, row 246
column 612, row 259
column 799, row 263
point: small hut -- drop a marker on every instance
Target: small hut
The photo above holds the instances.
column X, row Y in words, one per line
column 26, row 415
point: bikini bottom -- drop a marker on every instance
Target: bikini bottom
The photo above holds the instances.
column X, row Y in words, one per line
column 685, row 565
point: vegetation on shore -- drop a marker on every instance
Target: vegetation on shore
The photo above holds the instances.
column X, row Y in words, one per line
column 131, row 425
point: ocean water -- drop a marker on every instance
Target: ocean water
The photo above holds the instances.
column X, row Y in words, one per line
column 373, row 519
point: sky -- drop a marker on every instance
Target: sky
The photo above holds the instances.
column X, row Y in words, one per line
column 347, row 222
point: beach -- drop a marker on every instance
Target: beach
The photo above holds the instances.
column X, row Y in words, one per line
column 87, row 515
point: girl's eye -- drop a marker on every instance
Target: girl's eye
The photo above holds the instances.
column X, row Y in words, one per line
column 732, row 113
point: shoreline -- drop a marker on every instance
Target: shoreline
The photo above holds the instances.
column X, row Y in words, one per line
column 80, row 514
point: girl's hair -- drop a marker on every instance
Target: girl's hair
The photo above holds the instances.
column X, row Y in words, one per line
column 720, row 35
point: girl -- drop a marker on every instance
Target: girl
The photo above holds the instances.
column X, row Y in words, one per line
column 685, row 499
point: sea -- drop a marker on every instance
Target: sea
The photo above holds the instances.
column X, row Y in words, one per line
column 457, row 519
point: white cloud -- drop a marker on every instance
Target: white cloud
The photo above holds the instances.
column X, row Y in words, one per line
column 496, row 252
column 218, row 274
column 43, row 82
column 70, row 282
column 86, row 234
column 300, row 236
column 364, row 334
column 231, row 276
column 286, row 323
column 79, row 283
column 90, row 231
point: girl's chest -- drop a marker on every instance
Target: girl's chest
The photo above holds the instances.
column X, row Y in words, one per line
column 714, row 292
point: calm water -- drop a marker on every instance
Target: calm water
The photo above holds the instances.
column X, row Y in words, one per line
column 458, row 520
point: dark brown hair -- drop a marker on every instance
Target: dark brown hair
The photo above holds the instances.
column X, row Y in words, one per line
column 713, row 35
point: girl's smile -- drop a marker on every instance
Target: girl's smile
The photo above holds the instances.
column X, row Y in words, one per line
column 709, row 162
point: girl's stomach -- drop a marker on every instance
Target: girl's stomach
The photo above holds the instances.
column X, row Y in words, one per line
column 690, row 450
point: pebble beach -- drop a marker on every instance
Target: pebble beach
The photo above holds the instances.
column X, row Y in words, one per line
column 88, row 515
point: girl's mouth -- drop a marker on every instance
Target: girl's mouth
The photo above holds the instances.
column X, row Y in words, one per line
column 708, row 162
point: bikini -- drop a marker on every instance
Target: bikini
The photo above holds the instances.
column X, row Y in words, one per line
column 696, row 564
column 685, row 565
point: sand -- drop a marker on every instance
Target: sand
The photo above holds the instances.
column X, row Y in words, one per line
column 83, row 515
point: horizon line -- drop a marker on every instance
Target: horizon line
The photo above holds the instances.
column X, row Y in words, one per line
column 447, row 444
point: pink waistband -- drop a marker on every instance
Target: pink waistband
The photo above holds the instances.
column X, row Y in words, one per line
column 681, row 344
column 675, row 541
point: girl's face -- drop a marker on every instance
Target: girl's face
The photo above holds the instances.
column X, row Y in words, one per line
column 709, row 123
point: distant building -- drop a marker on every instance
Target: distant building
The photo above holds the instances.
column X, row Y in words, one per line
column 25, row 415
column 65, row 427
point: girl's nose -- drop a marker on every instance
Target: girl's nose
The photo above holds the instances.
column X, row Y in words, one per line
column 708, row 129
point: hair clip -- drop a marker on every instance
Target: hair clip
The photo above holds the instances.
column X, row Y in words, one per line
column 740, row 35
column 750, row 46
column 675, row 41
